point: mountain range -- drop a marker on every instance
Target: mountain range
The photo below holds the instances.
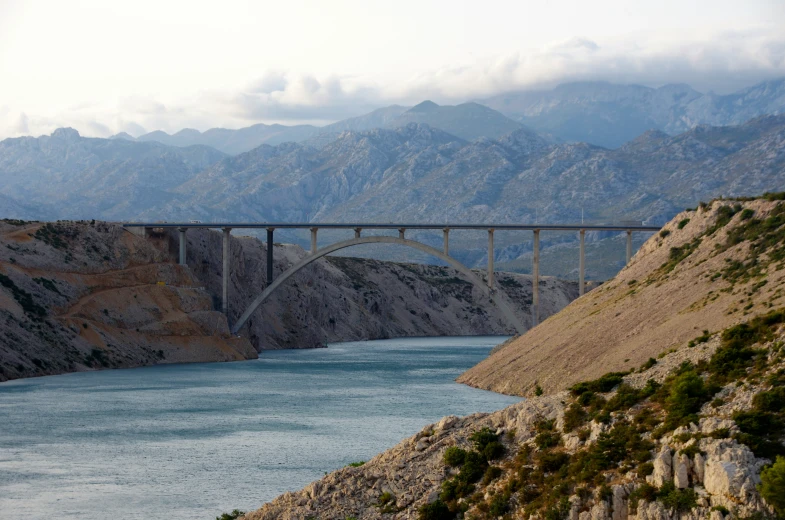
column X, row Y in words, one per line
column 599, row 113
column 609, row 115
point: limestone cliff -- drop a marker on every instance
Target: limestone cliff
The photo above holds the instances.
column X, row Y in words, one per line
column 89, row 295
column 706, row 270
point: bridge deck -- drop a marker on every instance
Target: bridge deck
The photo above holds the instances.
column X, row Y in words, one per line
column 369, row 225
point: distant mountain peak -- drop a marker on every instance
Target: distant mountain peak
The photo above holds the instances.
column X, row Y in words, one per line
column 66, row 134
column 425, row 106
column 188, row 132
column 123, row 135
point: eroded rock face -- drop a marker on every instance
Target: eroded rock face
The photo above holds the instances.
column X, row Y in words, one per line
column 731, row 469
column 90, row 295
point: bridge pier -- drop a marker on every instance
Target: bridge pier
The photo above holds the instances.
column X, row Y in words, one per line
column 357, row 232
column 629, row 245
column 490, row 258
column 446, row 241
column 536, row 279
column 182, row 245
column 225, row 274
column 270, row 255
column 582, row 264
column 402, row 233
column 313, row 240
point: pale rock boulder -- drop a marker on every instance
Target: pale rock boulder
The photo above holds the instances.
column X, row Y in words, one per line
column 663, row 467
column 619, row 501
column 731, row 469
column 681, row 468
column 651, row 511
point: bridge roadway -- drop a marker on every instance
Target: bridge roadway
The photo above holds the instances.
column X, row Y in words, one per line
column 314, row 227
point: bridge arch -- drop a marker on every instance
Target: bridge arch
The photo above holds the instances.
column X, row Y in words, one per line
column 495, row 295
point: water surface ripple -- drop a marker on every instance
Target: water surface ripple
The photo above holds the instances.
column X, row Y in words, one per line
column 190, row 441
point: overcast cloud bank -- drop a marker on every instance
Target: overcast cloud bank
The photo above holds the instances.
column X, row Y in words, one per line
column 723, row 62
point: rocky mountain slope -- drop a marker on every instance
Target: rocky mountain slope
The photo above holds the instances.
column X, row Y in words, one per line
column 691, row 434
column 609, row 115
column 413, row 173
column 706, row 270
column 90, row 295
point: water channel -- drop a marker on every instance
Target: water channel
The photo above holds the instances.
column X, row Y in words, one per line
column 191, row 441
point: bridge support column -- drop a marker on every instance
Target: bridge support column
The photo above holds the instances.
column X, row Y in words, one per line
column 313, row 240
column 357, row 232
column 270, row 255
column 225, row 273
column 446, row 241
column 182, row 245
column 582, row 264
column 490, row 258
column 629, row 245
column 536, row 278
column 402, row 233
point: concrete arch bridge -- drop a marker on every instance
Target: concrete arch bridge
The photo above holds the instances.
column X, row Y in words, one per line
column 487, row 286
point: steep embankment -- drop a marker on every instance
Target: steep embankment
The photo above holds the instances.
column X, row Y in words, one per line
column 707, row 270
column 346, row 299
column 81, row 296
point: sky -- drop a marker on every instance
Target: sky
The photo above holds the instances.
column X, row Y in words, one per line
column 105, row 66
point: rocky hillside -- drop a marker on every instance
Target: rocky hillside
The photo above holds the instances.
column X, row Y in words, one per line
column 708, row 269
column 89, row 295
column 345, row 299
column 687, row 436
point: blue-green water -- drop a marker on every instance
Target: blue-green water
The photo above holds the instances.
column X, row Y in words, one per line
column 191, row 441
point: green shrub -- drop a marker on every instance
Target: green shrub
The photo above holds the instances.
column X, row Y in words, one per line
column 645, row 469
column 481, row 438
column 454, row 456
column 747, row 214
column 491, row 474
column 645, row 492
column 647, row 365
column 538, row 390
column 574, row 416
column 680, row 500
column 770, row 401
column 664, row 233
column 234, row 515
column 683, row 223
column 552, row 461
column 605, row 383
column 772, row 486
column 473, row 468
column 437, row 510
column 356, row 464
column 493, row 450
column 682, row 394
column 386, row 503
column 547, row 439
column 498, row 506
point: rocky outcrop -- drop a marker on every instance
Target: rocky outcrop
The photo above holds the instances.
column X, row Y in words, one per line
column 89, row 295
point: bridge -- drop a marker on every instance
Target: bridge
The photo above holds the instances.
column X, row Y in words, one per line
column 486, row 286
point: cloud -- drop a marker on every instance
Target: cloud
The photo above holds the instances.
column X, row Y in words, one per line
column 721, row 62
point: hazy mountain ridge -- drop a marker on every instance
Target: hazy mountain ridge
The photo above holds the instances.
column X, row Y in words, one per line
column 610, row 114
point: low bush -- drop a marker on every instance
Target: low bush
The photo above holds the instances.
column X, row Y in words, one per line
column 454, row 456
column 772, row 486
column 605, row 383
column 437, row 510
